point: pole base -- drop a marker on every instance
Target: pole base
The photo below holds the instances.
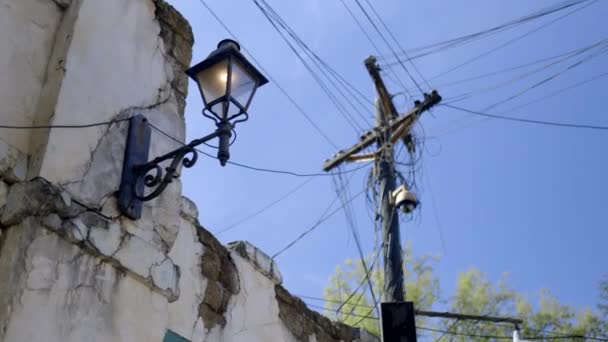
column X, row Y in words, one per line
column 398, row 322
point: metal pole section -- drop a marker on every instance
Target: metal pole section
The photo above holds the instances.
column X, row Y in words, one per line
column 393, row 259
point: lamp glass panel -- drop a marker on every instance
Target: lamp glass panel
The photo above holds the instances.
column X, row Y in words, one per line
column 233, row 109
column 213, row 83
column 242, row 86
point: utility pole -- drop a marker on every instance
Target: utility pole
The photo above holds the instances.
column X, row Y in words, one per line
column 393, row 260
column 397, row 316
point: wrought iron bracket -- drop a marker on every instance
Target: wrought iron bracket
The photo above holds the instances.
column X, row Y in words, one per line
column 138, row 173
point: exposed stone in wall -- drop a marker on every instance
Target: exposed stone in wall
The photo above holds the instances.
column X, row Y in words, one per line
column 258, row 259
column 48, row 235
column 58, row 292
column 187, row 252
column 304, row 323
column 101, row 236
column 35, row 198
column 13, row 163
column 177, row 36
column 222, row 280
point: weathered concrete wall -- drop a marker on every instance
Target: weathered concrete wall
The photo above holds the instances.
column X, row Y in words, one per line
column 84, row 276
column 27, row 30
column 71, row 267
column 83, row 61
column 27, row 34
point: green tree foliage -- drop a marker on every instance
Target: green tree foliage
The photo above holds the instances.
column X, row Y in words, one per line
column 421, row 286
column 474, row 294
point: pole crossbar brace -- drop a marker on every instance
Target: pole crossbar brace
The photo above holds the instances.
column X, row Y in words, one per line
column 402, row 123
column 515, row 321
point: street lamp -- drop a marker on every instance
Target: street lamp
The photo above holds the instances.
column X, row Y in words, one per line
column 227, row 82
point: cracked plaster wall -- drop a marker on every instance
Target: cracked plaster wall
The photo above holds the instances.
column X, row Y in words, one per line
column 85, row 277
column 72, row 269
column 85, row 61
column 27, row 31
column 117, row 63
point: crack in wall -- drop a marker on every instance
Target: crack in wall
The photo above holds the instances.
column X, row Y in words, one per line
column 43, row 202
column 177, row 38
column 222, row 278
column 13, row 262
column 102, row 155
column 53, row 77
column 62, row 4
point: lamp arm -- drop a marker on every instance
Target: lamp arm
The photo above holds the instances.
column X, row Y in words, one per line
column 153, row 175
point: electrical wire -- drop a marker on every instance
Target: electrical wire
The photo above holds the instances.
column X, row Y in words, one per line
column 505, row 70
column 355, row 93
column 548, row 79
column 390, row 33
column 363, row 30
column 375, row 258
column 388, row 44
column 276, row 20
column 559, row 91
column 459, row 41
column 322, row 65
column 465, row 334
column 366, row 278
column 359, row 96
column 327, row 214
column 354, row 315
column 331, row 301
column 602, row 45
column 96, row 124
column 502, row 337
column 377, row 301
column 587, row 338
column 392, row 75
column 436, row 216
column 448, row 330
column 291, row 173
column 499, row 337
column 543, row 98
column 555, row 336
column 369, row 313
column 255, row 168
column 513, row 40
column 562, row 58
column 603, row 49
column 311, row 71
column 299, row 108
column 343, row 191
column 538, row 122
column 266, row 207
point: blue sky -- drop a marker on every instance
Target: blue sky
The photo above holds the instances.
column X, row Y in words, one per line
column 510, row 197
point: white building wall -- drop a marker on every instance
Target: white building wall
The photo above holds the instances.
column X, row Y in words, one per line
column 71, row 267
column 115, row 63
column 27, row 32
